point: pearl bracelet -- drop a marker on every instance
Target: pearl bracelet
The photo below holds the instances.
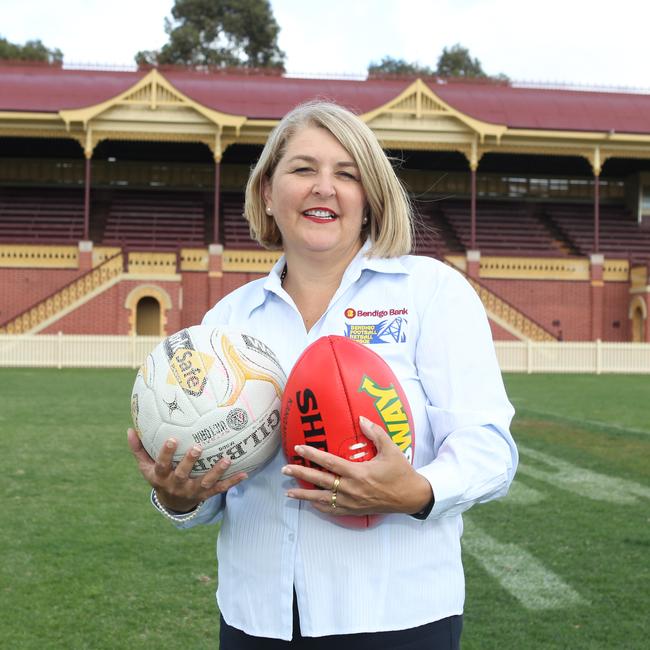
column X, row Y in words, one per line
column 177, row 518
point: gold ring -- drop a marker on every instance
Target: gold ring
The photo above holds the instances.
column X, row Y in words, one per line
column 337, row 482
column 333, row 501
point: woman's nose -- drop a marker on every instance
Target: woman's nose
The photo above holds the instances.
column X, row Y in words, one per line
column 324, row 186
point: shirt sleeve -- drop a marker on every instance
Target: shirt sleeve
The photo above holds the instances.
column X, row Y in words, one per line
column 468, row 409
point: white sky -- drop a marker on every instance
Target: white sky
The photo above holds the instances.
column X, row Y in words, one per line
column 581, row 42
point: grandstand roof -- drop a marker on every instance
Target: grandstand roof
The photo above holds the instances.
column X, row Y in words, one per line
column 48, row 89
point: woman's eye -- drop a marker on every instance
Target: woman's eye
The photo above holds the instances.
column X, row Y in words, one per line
column 348, row 175
column 302, row 170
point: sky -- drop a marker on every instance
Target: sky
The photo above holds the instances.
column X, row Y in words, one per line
column 578, row 43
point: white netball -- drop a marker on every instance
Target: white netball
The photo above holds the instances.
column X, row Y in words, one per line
column 218, row 388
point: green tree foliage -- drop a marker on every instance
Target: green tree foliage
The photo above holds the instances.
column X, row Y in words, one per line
column 457, row 62
column 30, row 51
column 454, row 61
column 389, row 65
column 219, row 33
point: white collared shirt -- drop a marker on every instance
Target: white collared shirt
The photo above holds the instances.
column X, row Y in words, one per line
column 427, row 322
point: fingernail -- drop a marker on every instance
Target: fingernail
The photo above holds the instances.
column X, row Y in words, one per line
column 196, row 451
column 363, row 420
column 286, row 470
column 170, row 443
column 299, row 449
column 225, row 462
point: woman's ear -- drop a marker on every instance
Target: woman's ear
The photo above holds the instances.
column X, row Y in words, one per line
column 266, row 192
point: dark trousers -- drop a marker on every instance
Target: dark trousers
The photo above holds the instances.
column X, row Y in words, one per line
column 439, row 635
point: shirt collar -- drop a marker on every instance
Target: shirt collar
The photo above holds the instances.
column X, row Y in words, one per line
column 360, row 262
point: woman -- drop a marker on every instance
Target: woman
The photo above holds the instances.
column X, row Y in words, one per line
column 325, row 192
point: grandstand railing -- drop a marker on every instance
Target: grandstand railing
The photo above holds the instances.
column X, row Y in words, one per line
column 503, row 312
column 63, row 298
column 506, row 314
column 95, row 351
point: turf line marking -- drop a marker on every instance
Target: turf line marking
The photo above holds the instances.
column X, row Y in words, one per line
column 518, row 572
column 524, row 495
column 583, row 482
column 583, row 421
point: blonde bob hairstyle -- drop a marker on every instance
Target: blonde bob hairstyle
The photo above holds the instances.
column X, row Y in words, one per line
column 390, row 223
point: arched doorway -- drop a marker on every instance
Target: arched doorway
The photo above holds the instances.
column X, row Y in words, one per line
column 147, row 317
column 638, row 316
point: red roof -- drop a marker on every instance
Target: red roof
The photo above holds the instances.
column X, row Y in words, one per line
column 49, row 89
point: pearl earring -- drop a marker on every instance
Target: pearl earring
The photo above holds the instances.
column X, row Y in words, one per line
column 268, row 210
column 364, row 220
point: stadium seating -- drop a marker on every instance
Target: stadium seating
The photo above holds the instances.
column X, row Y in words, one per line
column 620, row 235
column 433, row 234
column 52, row 216
column 503, row 228
column 155, row 220
column 235, row 232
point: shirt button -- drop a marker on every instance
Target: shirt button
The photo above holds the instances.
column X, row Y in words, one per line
column 291, row 537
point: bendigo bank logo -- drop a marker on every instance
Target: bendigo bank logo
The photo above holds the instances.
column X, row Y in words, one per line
column 392, row 414
column 350, row 313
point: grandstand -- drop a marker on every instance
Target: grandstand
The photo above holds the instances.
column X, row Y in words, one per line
column 155, row 220
column 50, row 216
column 128, row 186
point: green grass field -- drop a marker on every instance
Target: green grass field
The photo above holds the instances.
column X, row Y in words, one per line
column 561, row 563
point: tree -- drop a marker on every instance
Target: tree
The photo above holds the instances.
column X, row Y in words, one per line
column 219, row 33
column 457, row 62
column 30, row 51
column 389, row 65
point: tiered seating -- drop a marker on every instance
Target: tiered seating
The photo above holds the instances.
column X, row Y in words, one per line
column 160, row 220
column 433, row 235
column 51, row 216
column 620, row 235
column 502, row 228
column 235, row 230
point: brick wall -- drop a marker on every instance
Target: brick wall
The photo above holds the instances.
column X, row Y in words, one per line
column 195, row 298
column 548, row 301
column 499, row 334
column 616, row 304
column 107, row 313
column 21, row 288
column 569, row 303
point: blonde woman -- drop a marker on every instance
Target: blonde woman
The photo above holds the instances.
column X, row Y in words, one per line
column 325, row 193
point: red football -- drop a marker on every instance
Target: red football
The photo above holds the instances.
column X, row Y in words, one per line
column 335, row 381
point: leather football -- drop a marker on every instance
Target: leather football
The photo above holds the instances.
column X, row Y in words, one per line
column 335, row 381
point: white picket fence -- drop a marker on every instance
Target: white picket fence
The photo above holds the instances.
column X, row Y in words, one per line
column 77, row 351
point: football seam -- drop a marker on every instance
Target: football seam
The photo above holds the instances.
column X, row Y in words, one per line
column 355, row 425
column 357, row 431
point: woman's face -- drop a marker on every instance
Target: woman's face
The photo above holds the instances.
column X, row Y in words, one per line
column 316, row 196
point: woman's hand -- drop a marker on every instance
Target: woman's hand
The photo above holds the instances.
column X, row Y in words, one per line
column 387, row 483
column 174, row 487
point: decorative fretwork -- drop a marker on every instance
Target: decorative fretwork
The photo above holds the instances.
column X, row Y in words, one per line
column 63, row 298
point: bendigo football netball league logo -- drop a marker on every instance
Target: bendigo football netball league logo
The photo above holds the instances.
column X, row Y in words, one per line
column 392, row 414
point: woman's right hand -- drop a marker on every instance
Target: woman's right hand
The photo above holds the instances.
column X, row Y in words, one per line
column 174, row 487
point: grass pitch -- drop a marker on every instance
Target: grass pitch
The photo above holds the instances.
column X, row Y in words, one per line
column 561, row 563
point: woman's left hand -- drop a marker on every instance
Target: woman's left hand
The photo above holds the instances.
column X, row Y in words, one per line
column 386, row 483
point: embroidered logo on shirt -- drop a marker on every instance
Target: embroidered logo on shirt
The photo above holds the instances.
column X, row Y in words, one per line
column 351, row 313
column 385, row 331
